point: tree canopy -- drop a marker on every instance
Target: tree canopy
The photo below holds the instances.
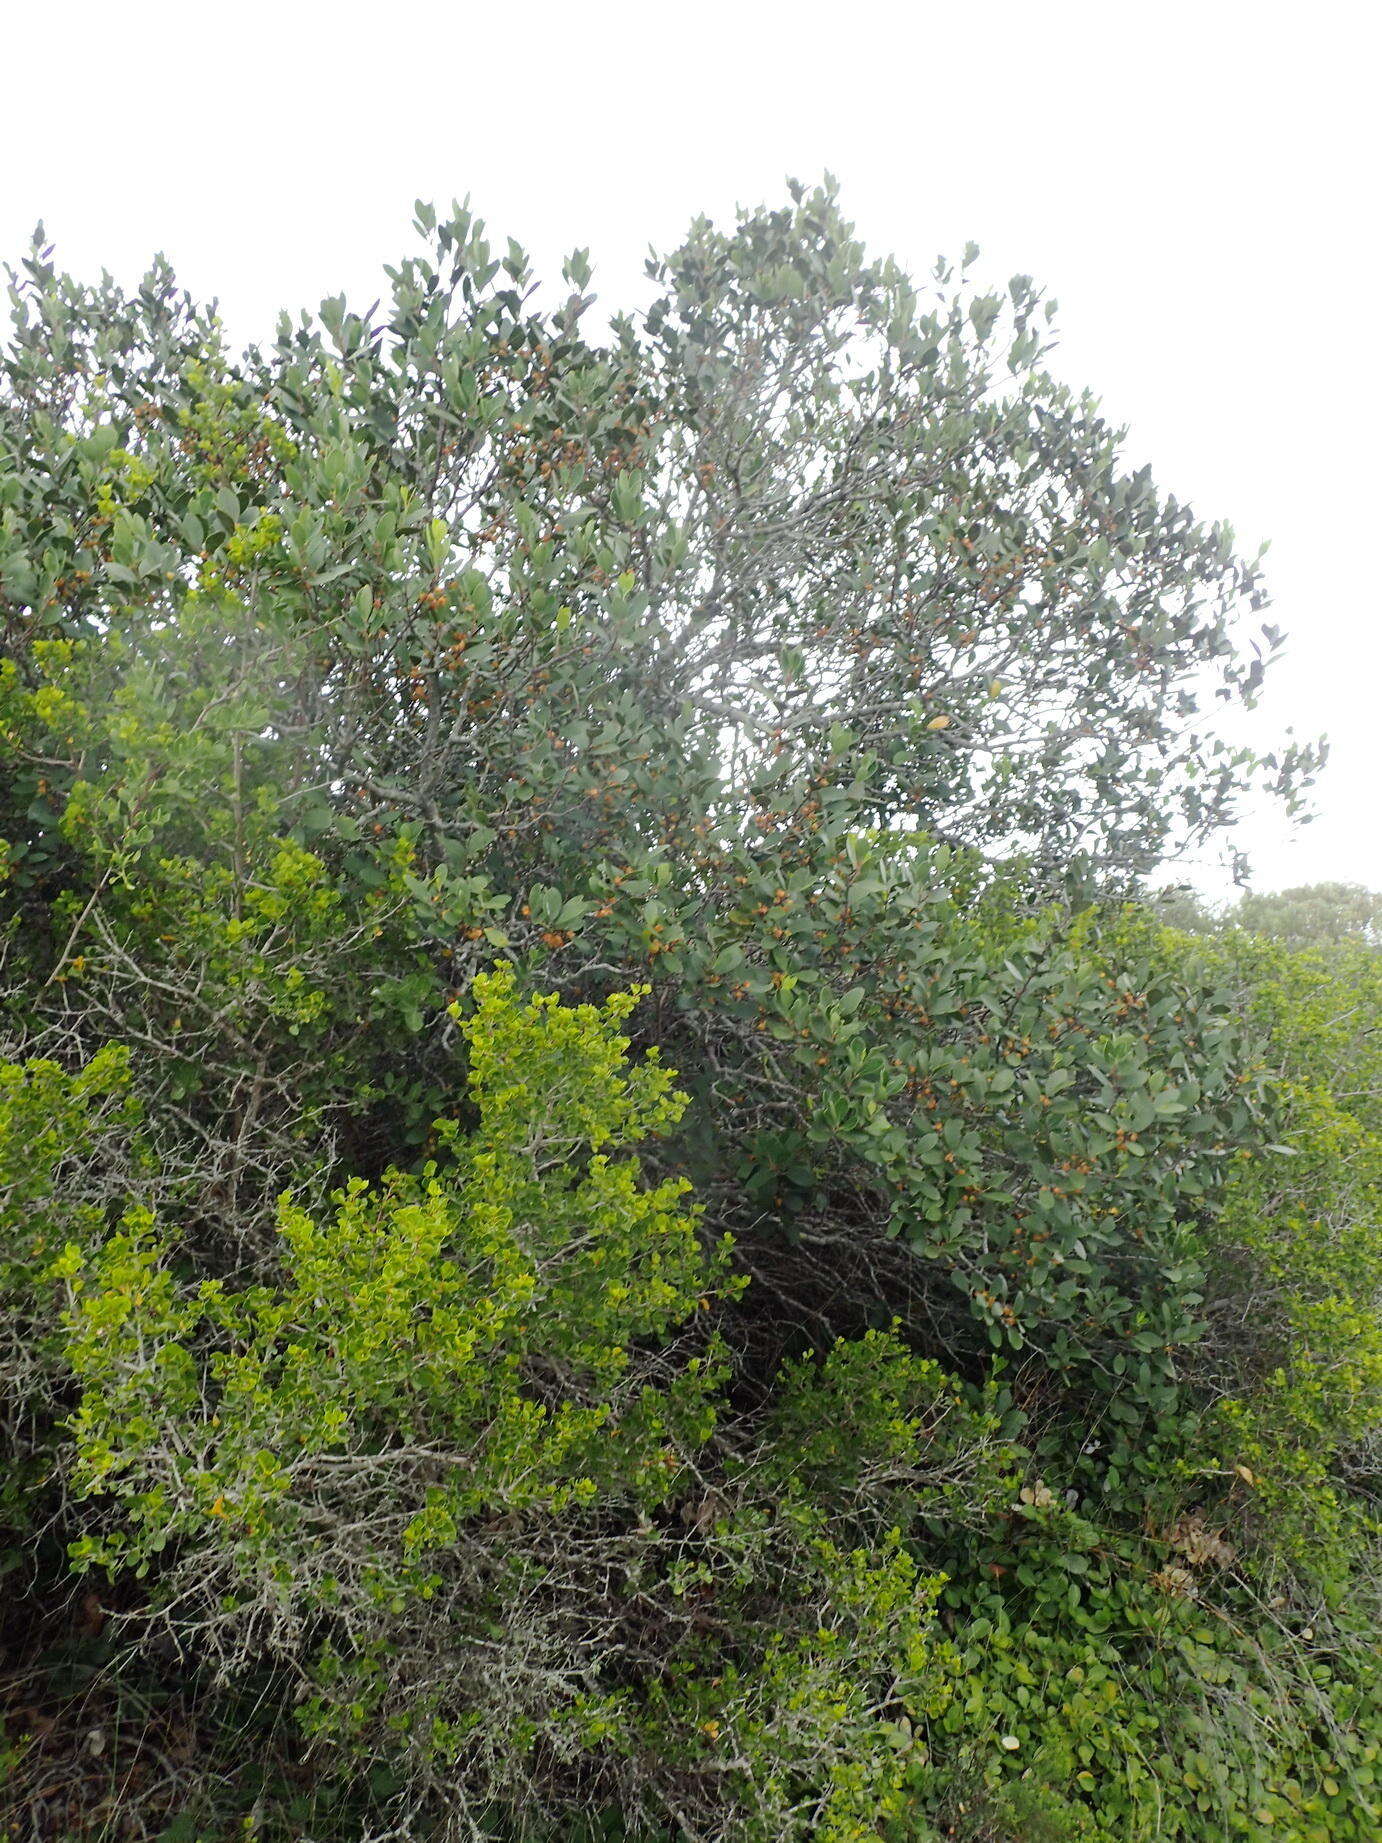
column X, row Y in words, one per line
column 1311, row 915
column 1314, row 915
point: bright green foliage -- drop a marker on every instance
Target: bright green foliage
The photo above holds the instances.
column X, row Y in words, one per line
column 244, row 973
column 68, row 1152
column 1111, row 1702
column 1298, row 1268
column 426, row 1309
column 455, row 1377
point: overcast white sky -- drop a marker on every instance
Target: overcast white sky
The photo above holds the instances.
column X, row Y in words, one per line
column 1196, row 184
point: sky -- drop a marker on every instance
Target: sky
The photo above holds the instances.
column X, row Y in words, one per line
column 1197, row 185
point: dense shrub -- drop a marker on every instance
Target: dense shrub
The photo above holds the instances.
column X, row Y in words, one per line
column 1297, row 1257
column 948, row 1404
